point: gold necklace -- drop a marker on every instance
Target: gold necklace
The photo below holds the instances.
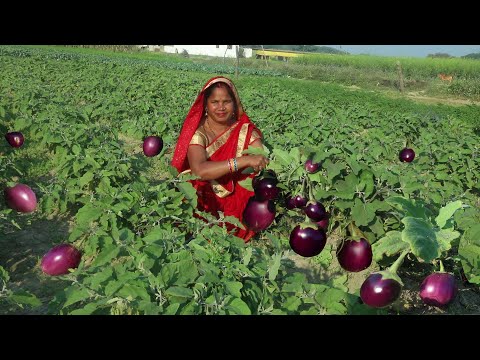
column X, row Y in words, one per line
column 209, row 127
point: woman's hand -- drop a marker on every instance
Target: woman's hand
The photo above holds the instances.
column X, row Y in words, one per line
column 257, row 162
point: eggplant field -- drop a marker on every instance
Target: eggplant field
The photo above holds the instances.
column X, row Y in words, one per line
column 375, row 199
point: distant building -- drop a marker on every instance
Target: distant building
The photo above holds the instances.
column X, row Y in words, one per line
column 206, row 50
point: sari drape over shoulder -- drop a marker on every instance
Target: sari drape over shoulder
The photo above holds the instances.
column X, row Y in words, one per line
column 225, row 193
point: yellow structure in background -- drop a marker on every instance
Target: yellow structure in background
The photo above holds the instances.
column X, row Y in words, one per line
column 283, row 55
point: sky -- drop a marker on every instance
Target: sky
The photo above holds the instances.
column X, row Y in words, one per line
column 408, row 50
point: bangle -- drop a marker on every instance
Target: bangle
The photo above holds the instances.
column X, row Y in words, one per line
column 235, row 164
column 229, row 165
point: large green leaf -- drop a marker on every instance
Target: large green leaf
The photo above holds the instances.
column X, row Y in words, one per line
column 447, row 212
column 238, row 306
column 74, row 295
column 106, row 255
column 363, row 213
column 421, row 237
column 407, row 206
column 469, row 251
column 389, row 245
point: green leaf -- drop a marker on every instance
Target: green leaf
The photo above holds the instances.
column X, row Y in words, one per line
column 86, row 310
column 274, row 266
column 407, row 206
column 331, row 300
column 292, row 303
column 233, row 288
column 87, row 214
column 108, row 253
column 189, row 191
column 391, row 244
column 179, row 291
column 333, row 169
column 96, row 279
column 469, row 251
column 86, row 178
column 283, row 157
column 445, row 237
column 25, row 298
column 172, row 309
column 154, row 235
column 76, row 149
column 367, row 180
column 246, row 184
column 346, row 188
column 363, row 213
column 131, row 291
column 447, row 212
column 338, row 282
column 421, row 237
column 112, row 287
column 235, row 221
column 253, row 150
column 22, row 123
column 238, row 306
column 4, row 275
column 74, row 295
column 247, row 256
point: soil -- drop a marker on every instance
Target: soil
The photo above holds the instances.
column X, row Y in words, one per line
column 419, row 97
column 21, row 254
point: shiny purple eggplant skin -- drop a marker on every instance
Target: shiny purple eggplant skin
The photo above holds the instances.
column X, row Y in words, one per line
column 438, row 289
column 311, row 167
column 355, row 256
column 152, row 145
column 315, row 211
column 20, row 198
column 259, row 215
column 290, row 203
column 15, row 138
column 324, row 222
column 378, row 292
column 300, row 201
column 59, row 259
column 406, row 155
column 266, row 189
column 308, row 241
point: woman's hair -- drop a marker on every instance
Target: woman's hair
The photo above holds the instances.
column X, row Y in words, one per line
column 209, row 90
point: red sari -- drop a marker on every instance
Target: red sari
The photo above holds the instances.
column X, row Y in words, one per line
column 225, row 193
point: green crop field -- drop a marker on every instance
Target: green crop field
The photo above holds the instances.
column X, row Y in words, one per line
column 84, row 114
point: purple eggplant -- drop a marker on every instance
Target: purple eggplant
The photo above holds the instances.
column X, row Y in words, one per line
column 315, row 210
column 407, row 155
column 438, row 289
column 259, row 215
column 380, row 289
column 355, row 255
column 307, row 241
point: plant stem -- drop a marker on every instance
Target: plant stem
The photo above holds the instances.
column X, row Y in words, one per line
column 310, row 191
column 442, row 269
column 396, row 265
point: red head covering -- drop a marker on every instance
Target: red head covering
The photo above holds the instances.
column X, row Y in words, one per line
column 193, row 119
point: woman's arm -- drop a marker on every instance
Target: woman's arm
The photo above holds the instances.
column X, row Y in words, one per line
column 209, row 170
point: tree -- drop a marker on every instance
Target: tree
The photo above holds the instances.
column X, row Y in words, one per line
column 475, row 56
column 440, row 55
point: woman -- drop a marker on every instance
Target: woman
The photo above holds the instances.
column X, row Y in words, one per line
column 214, row 134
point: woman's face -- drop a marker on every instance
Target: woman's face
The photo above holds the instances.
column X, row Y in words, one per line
column 220, row 105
